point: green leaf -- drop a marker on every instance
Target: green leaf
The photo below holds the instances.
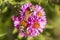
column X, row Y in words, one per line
column 48, row 34
column 19, row 36
column 41, row 37
column 30, row 38
column 49, row 26
column 4, row 10
column 14, row 31
column 1, row 35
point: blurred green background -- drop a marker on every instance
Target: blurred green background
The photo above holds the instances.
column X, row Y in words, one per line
column 11, row 7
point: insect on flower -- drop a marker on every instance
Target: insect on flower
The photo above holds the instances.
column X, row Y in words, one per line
column 31, row 21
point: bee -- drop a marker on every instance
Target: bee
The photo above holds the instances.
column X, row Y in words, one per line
column 21, row 28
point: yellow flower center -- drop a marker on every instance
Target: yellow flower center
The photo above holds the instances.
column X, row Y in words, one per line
column 28, row 12
column 23, row 23
column 39, row 14
column 36, row 25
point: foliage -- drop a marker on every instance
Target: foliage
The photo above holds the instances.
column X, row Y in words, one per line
column 11, row 7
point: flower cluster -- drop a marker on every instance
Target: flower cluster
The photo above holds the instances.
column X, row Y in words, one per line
column 31, row 20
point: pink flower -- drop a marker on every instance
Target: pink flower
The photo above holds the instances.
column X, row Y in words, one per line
column 25, row 6
column 31, row 21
